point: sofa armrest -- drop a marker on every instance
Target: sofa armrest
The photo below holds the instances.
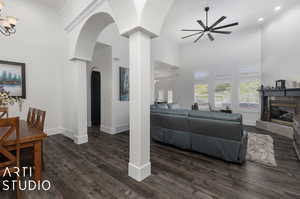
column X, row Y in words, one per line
column 244, row 146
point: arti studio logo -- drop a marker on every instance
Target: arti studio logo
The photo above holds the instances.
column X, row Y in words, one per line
column 23, row 185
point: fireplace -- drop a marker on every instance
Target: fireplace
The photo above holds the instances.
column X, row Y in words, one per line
column 282, row 111
column 280, row 105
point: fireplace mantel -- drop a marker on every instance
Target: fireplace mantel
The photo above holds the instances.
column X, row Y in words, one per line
column 289, row 92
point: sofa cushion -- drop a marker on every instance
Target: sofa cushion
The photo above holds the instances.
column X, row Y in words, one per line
column 173, row 106
column 216, row 116
column 231, row 130
column 181, row 112
column 162, row 106
column 171, row 119
column 153, row 106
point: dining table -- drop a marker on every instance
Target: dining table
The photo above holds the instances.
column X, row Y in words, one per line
column 29, row 138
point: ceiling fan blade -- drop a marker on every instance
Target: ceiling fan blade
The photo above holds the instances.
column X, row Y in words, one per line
column 211, row 38
column 190, row 30
column 217, row 22
column 199, row 37
column 222, row 32
column 192, row 35
column 226, row 26
column 201, row 24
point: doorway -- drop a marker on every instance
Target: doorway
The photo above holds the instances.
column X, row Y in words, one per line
column 96, row 98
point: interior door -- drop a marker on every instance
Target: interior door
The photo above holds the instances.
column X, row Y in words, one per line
column 96, row 98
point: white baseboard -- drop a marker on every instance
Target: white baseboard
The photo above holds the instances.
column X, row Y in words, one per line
column 139, row 173
column 68, row 133
column 81, row 139
column 54, row 131
column 114, row 130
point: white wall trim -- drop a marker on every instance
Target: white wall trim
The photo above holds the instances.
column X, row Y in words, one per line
column 83, row 14
column 114, row 130
column 89, row 123
column 139, row 173
column 81, row 139
column 54, row 131
column 68, row 133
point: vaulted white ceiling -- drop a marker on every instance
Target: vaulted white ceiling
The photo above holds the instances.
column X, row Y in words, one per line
column 55, row 4
column 184, row 13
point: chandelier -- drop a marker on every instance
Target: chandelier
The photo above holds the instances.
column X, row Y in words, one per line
column 7, row 23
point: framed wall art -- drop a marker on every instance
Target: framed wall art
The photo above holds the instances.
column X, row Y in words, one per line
column 12, row 78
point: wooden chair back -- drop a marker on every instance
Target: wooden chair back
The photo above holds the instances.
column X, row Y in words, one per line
column 40, row 119
column 30, row 115
column 11, row 160
column 3, row 112
column 36, row 118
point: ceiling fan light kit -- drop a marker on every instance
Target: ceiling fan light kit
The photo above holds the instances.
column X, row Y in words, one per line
column 209, row 30
column 7, row 23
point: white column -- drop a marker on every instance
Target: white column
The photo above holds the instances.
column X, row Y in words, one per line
column 152, row 83
column 80, row 86
column 140, row 94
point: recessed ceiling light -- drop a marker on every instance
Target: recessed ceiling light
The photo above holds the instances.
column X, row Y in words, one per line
column 260, row 19
column 277, row 8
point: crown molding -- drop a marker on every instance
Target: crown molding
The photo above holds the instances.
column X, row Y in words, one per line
column 83, row 14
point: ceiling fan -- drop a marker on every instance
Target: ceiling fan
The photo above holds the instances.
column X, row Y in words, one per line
column 208, row 30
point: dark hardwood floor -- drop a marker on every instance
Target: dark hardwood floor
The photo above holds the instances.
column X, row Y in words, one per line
column 99, row 170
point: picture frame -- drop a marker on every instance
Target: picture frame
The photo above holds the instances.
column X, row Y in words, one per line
column 13, row 78
column 124, row 84
column 280, row 84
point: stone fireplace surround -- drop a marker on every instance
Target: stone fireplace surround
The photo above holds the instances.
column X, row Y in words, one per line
column 287, row 99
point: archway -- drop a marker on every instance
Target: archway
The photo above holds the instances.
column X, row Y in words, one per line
column 140, row 33
column 89, row 33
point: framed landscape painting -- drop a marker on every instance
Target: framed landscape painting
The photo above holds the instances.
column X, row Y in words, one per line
column 12, row 78
column 124, row 84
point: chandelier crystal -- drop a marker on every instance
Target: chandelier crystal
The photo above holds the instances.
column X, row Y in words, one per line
column 7, row 23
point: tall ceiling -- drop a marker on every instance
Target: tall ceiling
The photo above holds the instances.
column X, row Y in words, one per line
column 184, row 13
column 55, row 4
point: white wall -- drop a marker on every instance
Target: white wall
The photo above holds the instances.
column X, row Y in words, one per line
column 102, row 62
column 120, row 56
column 165, row 53
column 114, row 113
column 281, row 47
column 165, row 50
column 224, row 56
column 164, row 85
column 38, row 43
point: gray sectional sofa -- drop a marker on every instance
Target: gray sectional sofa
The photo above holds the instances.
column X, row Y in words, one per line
column 216, row 134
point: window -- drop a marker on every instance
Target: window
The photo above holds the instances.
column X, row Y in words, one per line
column 248, row 95
column 201, row 94
column 223, row 95
column 170, row 96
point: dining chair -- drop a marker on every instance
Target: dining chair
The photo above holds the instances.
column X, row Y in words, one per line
column 10, row 161
column 40, row 119
column 35, row 119
column 3, row 112
column 31, row 116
